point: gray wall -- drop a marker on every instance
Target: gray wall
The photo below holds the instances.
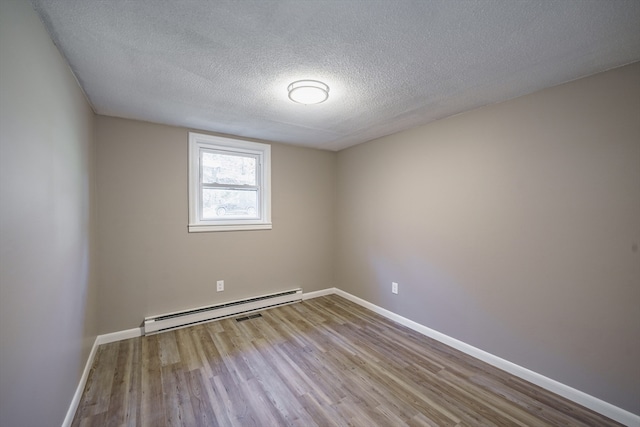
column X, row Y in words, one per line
column 48, row 318
column 150, row 264
column 514, row 228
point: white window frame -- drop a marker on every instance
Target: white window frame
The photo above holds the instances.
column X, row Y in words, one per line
column 200, row 142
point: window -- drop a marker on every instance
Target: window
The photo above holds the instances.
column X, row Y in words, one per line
column 229, row 184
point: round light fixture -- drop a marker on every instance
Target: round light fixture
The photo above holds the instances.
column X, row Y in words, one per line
column 308, row 92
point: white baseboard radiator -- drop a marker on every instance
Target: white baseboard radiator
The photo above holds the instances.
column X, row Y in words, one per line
column 185, row 318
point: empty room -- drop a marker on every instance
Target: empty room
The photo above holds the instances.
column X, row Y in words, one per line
column 319, row 213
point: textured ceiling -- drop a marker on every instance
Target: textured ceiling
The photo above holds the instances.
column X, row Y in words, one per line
column 224, row 66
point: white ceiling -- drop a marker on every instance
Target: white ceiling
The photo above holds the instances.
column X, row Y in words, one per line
column 224, row 65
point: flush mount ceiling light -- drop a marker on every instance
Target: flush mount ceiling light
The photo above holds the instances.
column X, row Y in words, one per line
column 308, row 92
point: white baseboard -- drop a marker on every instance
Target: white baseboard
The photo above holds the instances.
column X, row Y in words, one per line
column 100, row 339
column 71, row 412
column 320, row 293
column 615, row 413
column 119, row 336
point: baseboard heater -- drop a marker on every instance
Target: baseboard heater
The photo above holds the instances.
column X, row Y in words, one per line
column 181, row 319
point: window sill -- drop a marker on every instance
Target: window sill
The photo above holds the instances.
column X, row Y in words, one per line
column 229, row 227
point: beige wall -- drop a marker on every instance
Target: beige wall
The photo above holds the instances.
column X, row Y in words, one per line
column 150, row 264
column 48, row 316
column 514, row 228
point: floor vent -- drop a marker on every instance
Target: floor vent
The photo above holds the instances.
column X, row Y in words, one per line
column 169, row 321
column 253, row 316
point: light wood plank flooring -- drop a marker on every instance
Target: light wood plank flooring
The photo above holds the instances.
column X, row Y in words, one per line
column 322, row 362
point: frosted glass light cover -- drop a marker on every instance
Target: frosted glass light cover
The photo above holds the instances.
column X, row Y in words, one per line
column 308, row 92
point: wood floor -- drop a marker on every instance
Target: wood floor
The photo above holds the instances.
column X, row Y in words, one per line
column 322, row 362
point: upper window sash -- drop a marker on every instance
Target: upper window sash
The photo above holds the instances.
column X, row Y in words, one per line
column 204, row 184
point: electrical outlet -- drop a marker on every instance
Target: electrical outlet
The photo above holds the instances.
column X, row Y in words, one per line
column 220, row 286
column 394, row 287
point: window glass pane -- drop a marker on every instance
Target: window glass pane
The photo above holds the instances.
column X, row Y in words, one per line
column 228, row 169
column 221, row 204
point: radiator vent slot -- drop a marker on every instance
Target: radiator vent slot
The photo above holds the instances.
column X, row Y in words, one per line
column 169, row 321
